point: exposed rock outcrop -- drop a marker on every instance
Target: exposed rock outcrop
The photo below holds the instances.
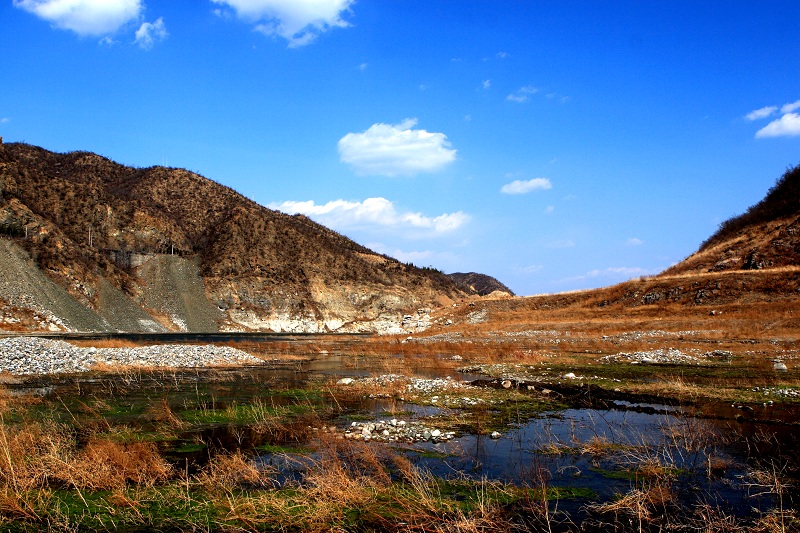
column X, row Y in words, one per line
column 164, row 248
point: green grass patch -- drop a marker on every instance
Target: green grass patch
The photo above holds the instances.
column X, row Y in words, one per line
column 278, row 449
column 246, row 413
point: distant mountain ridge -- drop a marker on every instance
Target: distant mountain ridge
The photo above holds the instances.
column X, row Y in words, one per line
column 95, row 227
column 480, row 284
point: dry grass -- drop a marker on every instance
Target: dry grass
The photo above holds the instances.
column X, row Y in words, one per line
column 34, row 454
column 105, row 464
column 104, row 343
column 639, row 506
column 598, row 446
column 347, row 479
column 227, row 472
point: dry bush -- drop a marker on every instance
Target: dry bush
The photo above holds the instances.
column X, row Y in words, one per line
column 105, row 464
column 229, row 471
column 598, row 446
column 30, row 455
column 347, row 468
column 708, row 519
column 640, row 506
column 15, row 403
column 343, row 476
column 693, row 435
column 786, row 521
column 163, row 413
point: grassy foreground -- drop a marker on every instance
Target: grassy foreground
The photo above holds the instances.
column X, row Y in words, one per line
column 143, row 452
column 147, row 451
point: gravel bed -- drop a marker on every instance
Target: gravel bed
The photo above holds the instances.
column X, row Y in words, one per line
column 412, row 385
column 505, row 371
column 663, row 356
column 656, row 333
column 786, row 392
column 423, row 391
column 33, row 355
column 396, row 431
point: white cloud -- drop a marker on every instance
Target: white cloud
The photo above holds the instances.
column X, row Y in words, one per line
column 297, row 21
column 787, row 125
column 395, row 150
column 788, row 108
column 363, row 66
column 150, row 33
column 614, row 273
column 522, row 94
column 84, row 17
column 549, row 210
column 417, row 257
column 558, row 97
column 522, row 187
column 5, row 120
column 375, row 213
column 487, row 84
column 633, row 241
column 761, row 113
column 531, row 269
column 617, row 272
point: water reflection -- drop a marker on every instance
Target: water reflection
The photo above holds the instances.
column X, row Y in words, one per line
column 602, row 450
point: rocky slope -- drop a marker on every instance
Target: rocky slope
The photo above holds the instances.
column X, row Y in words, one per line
column 753, row 261
column 767, row 235
column 146, row 249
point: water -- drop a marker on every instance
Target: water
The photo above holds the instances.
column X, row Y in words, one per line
column 603, row 451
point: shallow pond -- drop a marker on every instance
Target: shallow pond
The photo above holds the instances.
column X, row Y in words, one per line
column 603, row 452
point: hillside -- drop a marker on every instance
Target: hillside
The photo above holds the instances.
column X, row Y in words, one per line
column 480, row 284
column 179, row 250
column 767, row 235
column 749, row 270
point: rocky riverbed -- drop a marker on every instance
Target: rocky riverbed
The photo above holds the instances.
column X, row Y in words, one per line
column 396, row 431
column 33, row 355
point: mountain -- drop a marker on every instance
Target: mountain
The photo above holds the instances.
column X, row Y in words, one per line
column 744, row 281
column 480, row 284
column 164, row 248
column 767, row 235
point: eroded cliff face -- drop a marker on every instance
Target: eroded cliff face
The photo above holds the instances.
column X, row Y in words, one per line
column 159, row 248
column 171, row 295
column 351, row 308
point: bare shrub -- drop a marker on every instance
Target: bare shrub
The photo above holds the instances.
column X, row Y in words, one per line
column 105, row 464
column 228, row 471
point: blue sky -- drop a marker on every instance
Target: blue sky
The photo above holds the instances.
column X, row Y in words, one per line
column 553, row 145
